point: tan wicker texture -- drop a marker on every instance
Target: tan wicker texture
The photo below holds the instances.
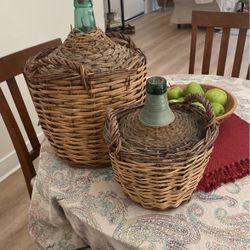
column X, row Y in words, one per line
column 72, row 85
column 160, row 168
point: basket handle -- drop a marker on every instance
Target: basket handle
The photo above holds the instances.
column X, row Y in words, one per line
column 111, row 131
column 208, row 107
column 42, row 58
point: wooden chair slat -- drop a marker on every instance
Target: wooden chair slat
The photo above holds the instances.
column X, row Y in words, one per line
column 221, row 19
column 23, row 113
column 239, row 52
column 193, row 49
column 207, row 50
column 18, row 141
column 223, row 51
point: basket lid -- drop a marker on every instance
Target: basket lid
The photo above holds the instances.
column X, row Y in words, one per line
column 98, row 52
column 92, row 53
column 187, row 134
column 188, row 128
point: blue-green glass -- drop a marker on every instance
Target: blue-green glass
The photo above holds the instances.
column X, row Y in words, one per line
column 84, row 15
column 156, row 111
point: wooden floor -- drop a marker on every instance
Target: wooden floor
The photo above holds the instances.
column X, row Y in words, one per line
column 14, row 205
column 167, row 50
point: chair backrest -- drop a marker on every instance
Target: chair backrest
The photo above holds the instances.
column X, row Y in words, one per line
column 11, row 66
column 226, row 21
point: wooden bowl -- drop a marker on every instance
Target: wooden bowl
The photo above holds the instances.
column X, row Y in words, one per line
column 231, row 99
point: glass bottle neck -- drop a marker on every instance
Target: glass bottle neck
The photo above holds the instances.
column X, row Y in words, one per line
column 156, row 111
column 84, row 15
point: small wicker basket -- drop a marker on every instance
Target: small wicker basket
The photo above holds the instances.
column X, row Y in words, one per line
column 73, row 84
column 160, row 167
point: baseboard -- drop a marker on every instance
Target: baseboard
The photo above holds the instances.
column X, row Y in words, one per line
column 9, row 164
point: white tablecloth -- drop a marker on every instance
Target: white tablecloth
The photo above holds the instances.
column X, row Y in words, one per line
column 71, row 206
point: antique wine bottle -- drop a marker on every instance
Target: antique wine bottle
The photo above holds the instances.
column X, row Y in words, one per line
column 156, row 111
column 84, row 15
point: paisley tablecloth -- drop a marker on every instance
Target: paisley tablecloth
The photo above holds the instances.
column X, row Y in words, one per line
column 74, row 206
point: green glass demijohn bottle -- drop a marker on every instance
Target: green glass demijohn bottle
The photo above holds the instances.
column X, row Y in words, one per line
column 156, row 111
column 84, row 15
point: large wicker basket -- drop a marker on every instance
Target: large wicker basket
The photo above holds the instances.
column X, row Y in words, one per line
column 161, row 167
column 72, row 85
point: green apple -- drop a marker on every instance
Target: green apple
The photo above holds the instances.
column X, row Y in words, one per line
column 217, row 95
column 175, row 93
column 173, row 101
column 217, row 108
column 192, row 88
column 199, row 105
column 180, row 99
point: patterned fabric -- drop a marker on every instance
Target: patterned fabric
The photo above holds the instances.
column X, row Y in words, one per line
column 72, row 207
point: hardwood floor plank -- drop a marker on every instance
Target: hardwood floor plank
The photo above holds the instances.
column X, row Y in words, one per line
column 14, row 205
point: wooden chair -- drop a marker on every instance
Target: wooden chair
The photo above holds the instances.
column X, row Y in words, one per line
column 11, row 66
column 225, row 20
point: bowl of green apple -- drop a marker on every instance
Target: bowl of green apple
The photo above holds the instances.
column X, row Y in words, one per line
column 222, row 101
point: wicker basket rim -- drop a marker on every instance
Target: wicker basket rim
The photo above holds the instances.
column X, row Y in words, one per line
column 118, row 147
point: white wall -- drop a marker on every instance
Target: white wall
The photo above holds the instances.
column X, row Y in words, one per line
column 131, row 7
column 24, row 24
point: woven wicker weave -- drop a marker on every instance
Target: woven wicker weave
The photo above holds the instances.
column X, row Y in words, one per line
column 72, row 85
column 161, row 167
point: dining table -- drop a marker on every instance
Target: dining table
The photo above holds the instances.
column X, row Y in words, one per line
column 85, row 208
